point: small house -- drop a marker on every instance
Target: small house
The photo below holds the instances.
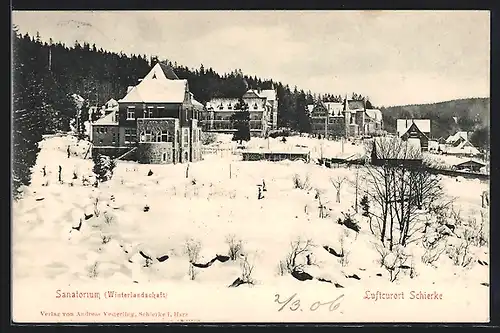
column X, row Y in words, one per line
column 470, row 165
column 415, row 128
column 396, row 152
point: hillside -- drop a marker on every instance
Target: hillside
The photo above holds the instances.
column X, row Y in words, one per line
column 471, row 114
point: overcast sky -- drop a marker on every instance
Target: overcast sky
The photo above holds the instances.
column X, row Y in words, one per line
column 394, row 58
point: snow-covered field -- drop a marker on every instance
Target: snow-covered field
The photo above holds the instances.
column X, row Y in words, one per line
column 218, row 200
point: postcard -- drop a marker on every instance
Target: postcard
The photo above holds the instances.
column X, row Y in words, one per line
column 250, row 166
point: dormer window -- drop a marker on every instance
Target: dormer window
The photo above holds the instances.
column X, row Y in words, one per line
column 255, row 106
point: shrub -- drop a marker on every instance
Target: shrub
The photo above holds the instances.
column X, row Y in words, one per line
column 192, row 249
column 344, row 259
column 103, row 167
column 393, row 261
column 235, row 246
column 97, row 211
column 349, row 222
column 246, row 270
column 301, row 183
column 208, row 138
column 460, row 253
column 434, row 246
column 298, row 249
column 92, row 271
column 365, row 206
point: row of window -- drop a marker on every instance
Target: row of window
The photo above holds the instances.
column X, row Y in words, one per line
column 101, row 130
column 166, row 136
column 156, row 136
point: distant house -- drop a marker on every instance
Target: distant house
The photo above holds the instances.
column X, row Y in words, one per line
column 415, row 128
column 433, row 145
column 348, row 119
column 457, row 138
column 262, row 106
column 105, row 134
column 470, row 165
column 396, row 152
column 110, row 106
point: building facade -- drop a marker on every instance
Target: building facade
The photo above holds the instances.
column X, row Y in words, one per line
column 415, row 129
column 348, row 119
column 262, row 106
column 158, row 119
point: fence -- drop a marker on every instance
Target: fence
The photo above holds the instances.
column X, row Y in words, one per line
column 222, row 152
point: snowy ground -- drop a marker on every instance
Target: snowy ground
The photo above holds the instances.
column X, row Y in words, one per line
column 217, row 199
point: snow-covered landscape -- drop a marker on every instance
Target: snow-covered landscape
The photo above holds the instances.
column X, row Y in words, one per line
column 148, row 222
column 167, row 167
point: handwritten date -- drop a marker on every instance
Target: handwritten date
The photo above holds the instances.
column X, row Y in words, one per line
column 295, row 305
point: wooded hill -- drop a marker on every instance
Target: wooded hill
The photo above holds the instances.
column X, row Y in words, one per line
column 470, row 115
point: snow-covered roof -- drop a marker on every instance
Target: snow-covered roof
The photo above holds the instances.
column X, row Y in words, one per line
column 270, row 94
column 374, row 114
column 112, row 102
column 402, row 125
column 157, row 91
column 463, row 148
column 334, row 109
column 109, row 119
column 161, row 71
column 456, row 136
column 252, row 94
column 355, row 105
column 196, row 103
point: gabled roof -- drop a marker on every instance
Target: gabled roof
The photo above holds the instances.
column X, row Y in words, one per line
column 470, row 163
column 374, row 114
column 457, row 136
column 112, row 103
column 161, row 71
column 168, row 71
column 403, row 125
column 350, row 104
column 334, row 108
column 157, row 91
column 252, row 94
column 109, row 119
column 270, row 94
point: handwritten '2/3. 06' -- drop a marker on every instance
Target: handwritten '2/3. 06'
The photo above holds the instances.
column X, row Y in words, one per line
column 296, row 305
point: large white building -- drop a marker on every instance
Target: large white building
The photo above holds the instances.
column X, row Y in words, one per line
column 262, row 106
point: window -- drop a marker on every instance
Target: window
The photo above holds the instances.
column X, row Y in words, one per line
column 164, row 136
column 164, row 157
column 146, row 136
column 130, row 134
column 114, row 137
column 160, row 110
column 149, row 112
column 131, row 112
column 186, row 136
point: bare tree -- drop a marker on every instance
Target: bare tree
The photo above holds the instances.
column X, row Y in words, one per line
column 298, row 248
column 337, row 183
column 401, row 192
